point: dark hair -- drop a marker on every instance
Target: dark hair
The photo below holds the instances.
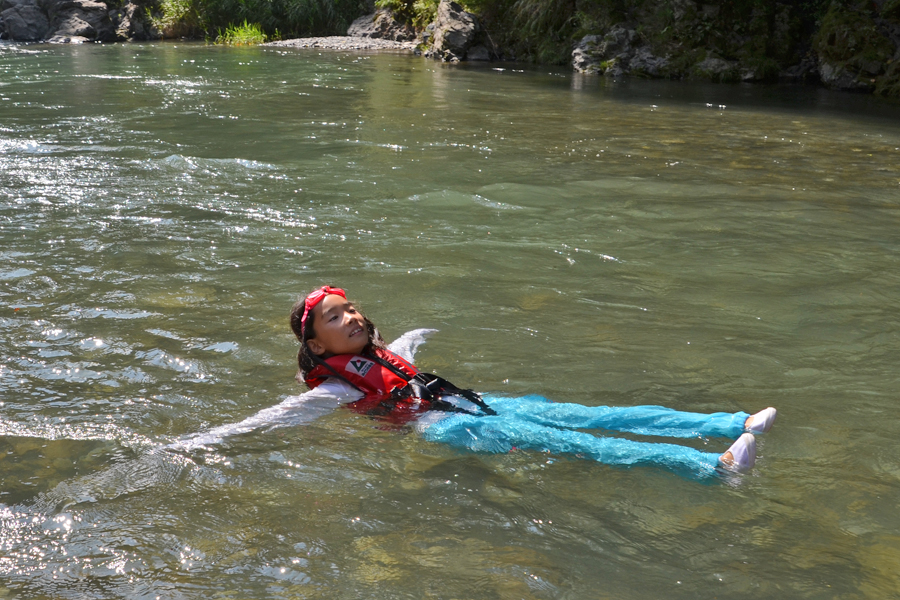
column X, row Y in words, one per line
column 306, row 360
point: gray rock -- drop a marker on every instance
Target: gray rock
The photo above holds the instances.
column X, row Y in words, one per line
column 25, row 23
column 428, row 34
column 454, row 32
column 382, row 25
column 608, row 54
column 478, row 52
column 838, row 77
column 344, row 43
column 645, row 63
column 74, row 26
column 717, row 69
column 750, row 75
column 5, row 4
column 616, row 67
column 585, row 56
column 617, row 40
column 870, row 67
column 68, row 39
column 709, row 11
column 617, row 53
column 80, row 18
column 129, row 23
column 806, row 70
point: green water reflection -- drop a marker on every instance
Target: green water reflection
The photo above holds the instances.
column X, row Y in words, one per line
column 701, row 247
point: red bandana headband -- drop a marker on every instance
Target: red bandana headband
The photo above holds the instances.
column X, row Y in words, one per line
column 316, row 297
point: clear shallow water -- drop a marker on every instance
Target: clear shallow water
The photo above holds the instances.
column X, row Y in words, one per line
column 705, row 248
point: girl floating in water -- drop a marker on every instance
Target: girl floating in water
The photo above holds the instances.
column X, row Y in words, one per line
column 344, row 360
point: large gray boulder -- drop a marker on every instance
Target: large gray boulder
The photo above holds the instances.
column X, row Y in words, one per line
column 24, row 21
column 71, row 21
column 130, row 23
column 7, row 4
column 841, row 78
column 806, row 70
column 646, row 64
column 79, row 20
column 455, row 31
column 382, row 25
column 585, row 57
column 479, row 52
column 616, row 53
column 717, row 69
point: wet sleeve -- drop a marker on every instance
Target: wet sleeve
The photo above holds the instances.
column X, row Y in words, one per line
column 407, row 344
column 293, row 410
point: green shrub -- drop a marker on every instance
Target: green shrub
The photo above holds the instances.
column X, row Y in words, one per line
column 242, row 35
column 889, row 83
column 418, row 13
column 891, row 10
column 176, row 18
column 533, row 30
column 849, row 37
column 292, row 17
column 400, row 8
column 295, row 18
column 765, row 68
column 424, row 12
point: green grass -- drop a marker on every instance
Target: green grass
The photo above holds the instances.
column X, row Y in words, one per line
column 221, row 19
column 246, row 34
column 418, row 13
column 176, row 18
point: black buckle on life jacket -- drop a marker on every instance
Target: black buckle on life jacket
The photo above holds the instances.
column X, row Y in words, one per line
column 432, row 388
column 426, row 386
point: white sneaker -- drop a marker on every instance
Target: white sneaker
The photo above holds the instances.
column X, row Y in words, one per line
column 743, row 454
column 762, row 421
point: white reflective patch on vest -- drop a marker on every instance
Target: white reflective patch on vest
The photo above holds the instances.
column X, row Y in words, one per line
column 359, row 366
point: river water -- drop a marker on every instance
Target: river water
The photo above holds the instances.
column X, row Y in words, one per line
column 700, row 247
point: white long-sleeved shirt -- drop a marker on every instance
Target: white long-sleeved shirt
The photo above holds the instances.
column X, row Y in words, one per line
column 308, row 406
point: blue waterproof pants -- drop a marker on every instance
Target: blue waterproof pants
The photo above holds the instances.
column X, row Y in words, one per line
column 535, row 423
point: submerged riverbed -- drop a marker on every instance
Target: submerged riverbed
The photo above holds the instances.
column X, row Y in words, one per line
column 700, row 247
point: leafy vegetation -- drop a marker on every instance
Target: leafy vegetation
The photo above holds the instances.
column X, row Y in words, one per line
column 245, row 34
column 762, row 36
column 175, row 18
column 541, row 31
column 546, row 30
column 293, row 18
column 849, row 36
column 419, row 13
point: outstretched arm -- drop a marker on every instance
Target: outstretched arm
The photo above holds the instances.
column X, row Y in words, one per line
column 293, row 410
column 407, row 344
column 302, row 408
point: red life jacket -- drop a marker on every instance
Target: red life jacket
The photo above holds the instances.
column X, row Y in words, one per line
column 380, row 384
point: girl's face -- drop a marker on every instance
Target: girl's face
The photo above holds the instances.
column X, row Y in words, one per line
column 338, row 328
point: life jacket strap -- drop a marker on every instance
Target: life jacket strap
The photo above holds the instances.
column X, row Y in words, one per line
column 432, row 387
column 426, row 386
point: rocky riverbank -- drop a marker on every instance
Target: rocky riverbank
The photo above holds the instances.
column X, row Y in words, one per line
column 854, row 47
column 851, row 49
column 454, row 35
column 72, row 21
column 345, row 42
column 844, row 44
